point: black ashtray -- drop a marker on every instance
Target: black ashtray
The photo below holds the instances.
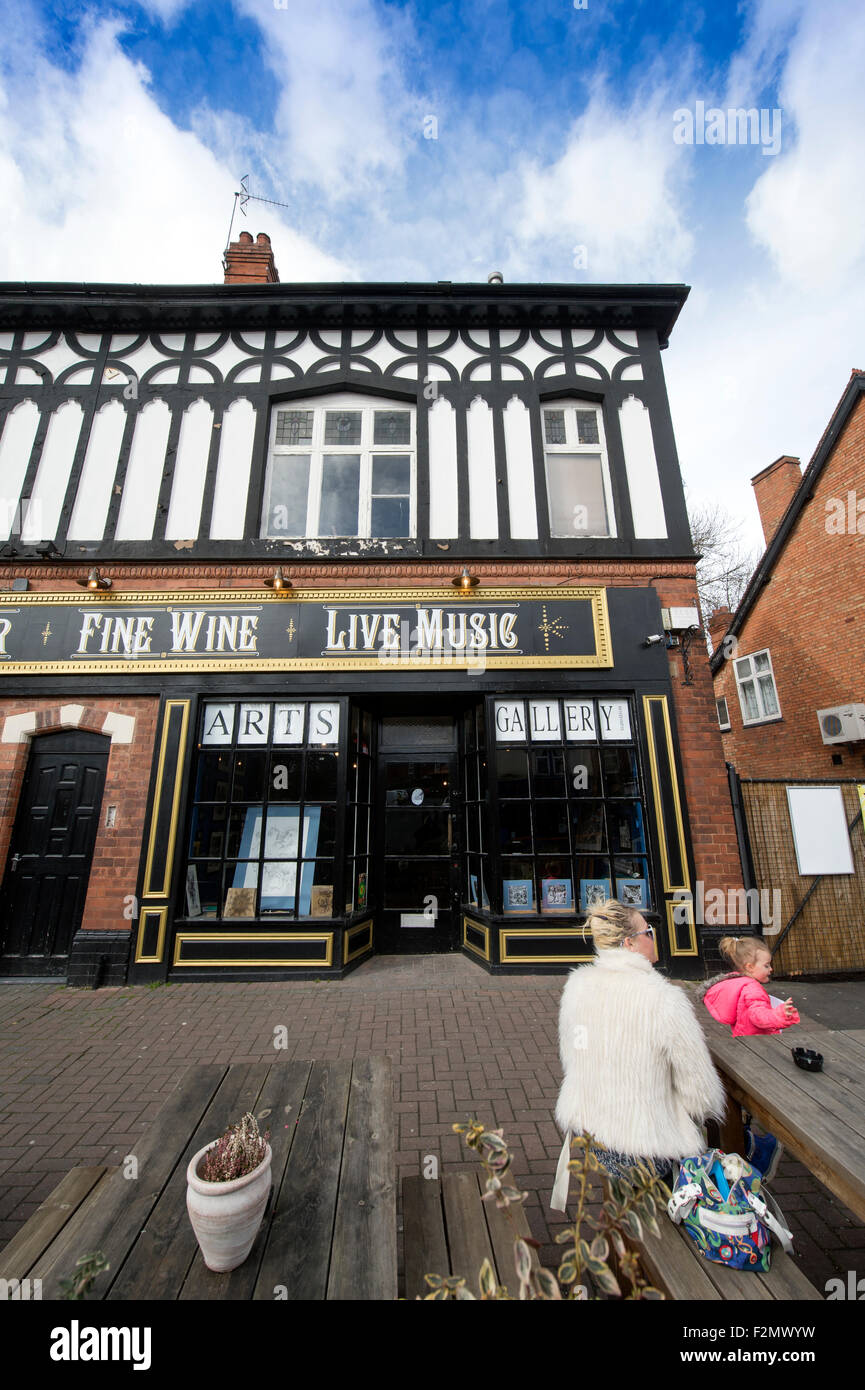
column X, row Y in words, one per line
column 807, row 1058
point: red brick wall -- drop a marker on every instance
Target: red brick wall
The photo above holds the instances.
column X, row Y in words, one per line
column 117, row 852
column 811, row 617
column 774, row 489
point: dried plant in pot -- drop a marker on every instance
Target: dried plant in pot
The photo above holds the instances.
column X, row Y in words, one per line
column 227, row 1186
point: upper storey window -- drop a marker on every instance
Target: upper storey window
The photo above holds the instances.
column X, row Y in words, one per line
column 578, row 480
column 341, row 466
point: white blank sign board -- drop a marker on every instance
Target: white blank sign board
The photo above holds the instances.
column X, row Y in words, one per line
column 820, row 830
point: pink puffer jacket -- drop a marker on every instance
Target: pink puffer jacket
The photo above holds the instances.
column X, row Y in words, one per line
column 745, row 1005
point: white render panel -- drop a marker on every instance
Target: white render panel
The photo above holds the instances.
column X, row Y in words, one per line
column 627, row 336
column 32, row 342
column 644, row 485
column 49, row 490
column 383, row 354
column 633, row 372
column 232, row 473
column 145, row 356
column 483, row 511
column 306, row 354
column 169, row 375
column 93, row 497
column 119, row 727
column 203, row 342
column 144, row 473
column 60, row 356
column 521, row 474
column 607, row 354
column 482, row 371
column 6, row 341
column 435, row 338
column 511, row 373
column 16, row 443
column 443, row 492
column 227, row 357
column 26, row 376
column 250, row 373
column 82, row 376
column 532, row 354
column 254, row 340
column 190, row 470
column 580, row 338
column 459, row 354
column 332, row 339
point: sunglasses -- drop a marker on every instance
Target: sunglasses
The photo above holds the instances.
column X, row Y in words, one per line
column 650, row 931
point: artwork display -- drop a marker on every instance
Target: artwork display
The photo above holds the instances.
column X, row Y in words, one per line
column 321, row 901
column 633, row 892
column 557, row 895
column 593, row 891
column 518, row 895
column 240, row 902
column 193, row 897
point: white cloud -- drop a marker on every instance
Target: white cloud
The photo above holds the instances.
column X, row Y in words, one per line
column 100, row 185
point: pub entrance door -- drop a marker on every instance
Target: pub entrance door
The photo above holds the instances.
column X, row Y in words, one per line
column 417, row 838
column 45, row 884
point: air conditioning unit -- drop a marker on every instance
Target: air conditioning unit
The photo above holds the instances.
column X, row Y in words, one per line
column 843, row 724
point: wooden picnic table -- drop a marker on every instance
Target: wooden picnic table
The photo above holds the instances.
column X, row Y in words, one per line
column 818, row 1116
column 329, row 1231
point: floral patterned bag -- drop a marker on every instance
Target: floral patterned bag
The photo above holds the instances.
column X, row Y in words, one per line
column 720, row 1200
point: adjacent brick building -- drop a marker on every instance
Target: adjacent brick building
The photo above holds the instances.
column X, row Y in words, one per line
column 794, row 648
column 361, row 619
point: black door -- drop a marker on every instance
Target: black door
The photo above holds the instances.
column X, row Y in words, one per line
column 45, row 883
column 418, row 854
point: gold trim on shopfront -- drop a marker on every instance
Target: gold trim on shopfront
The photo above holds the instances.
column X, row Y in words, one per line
column 529, row 934
column 353, row 931
column 669, row 886
column 485, row 932
column 672, row 908
column 161, row 915
column 246, row 937
column 149, row 891
column 595, row 595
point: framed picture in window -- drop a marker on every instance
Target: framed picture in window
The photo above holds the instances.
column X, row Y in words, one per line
column 193, row 897
column 557, row 895
column 473, row 892
column 518, row 895
column 593, row 891
column 633, row 892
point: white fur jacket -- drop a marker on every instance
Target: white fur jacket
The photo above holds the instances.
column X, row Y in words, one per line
column 637, row 1072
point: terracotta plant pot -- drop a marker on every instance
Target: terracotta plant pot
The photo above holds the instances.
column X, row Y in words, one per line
column 226, row 1216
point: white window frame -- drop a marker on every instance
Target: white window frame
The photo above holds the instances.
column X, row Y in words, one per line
column 320, row 405
column 570, row 406
column 723, row 723
column 753, row 677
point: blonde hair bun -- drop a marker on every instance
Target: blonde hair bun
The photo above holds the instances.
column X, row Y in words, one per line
column 610, row 923
column 741, row 950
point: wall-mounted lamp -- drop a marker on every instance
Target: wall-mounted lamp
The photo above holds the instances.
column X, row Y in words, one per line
column 465, row 580
column 278, row 582
column 94, row 580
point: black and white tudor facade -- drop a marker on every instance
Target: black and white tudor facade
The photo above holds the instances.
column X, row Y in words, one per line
column 352, row 750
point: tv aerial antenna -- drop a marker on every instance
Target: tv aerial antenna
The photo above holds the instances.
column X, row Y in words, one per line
column 243, row 196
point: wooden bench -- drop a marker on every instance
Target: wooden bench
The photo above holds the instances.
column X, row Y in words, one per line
column 329, row 1230
column 448, row 1230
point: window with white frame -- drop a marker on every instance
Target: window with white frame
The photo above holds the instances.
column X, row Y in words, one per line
column 341, row 466
column 723, row 712
column 755, row 681
column 578, row 475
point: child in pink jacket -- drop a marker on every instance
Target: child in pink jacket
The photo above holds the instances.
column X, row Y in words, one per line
column 739, row 999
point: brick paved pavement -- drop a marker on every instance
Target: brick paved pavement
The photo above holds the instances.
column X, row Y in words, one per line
column 85, row 1072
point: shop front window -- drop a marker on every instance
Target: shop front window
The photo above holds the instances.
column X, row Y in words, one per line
column 264, row 826
column 571, row 810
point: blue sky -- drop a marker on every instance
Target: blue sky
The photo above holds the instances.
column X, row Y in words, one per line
column 426, row 141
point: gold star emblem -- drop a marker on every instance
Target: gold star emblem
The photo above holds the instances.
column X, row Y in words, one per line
column 291, row 629
column 551, row 627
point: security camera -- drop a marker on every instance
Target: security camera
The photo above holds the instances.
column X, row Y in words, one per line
column 653, row 641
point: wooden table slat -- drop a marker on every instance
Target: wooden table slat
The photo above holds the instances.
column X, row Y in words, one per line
column 364, row 1236
column 503, row 1233
column 297, row 1255
column 424, row 1241
column 468, row 1237
column 114, row 1224
column 282, row 1094
column 48, row 1220
column 158, row 1262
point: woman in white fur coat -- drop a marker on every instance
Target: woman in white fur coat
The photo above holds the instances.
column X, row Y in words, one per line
column 637, row 1072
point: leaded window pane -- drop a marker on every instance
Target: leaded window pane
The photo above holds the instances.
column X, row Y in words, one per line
column 342, row 426
column 587, row 427
column 294, row 426
column 391, row 427
column 554, row 427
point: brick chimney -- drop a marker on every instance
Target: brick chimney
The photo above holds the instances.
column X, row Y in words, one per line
column 775, row 487
column 249, row 262
column 719, row 621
